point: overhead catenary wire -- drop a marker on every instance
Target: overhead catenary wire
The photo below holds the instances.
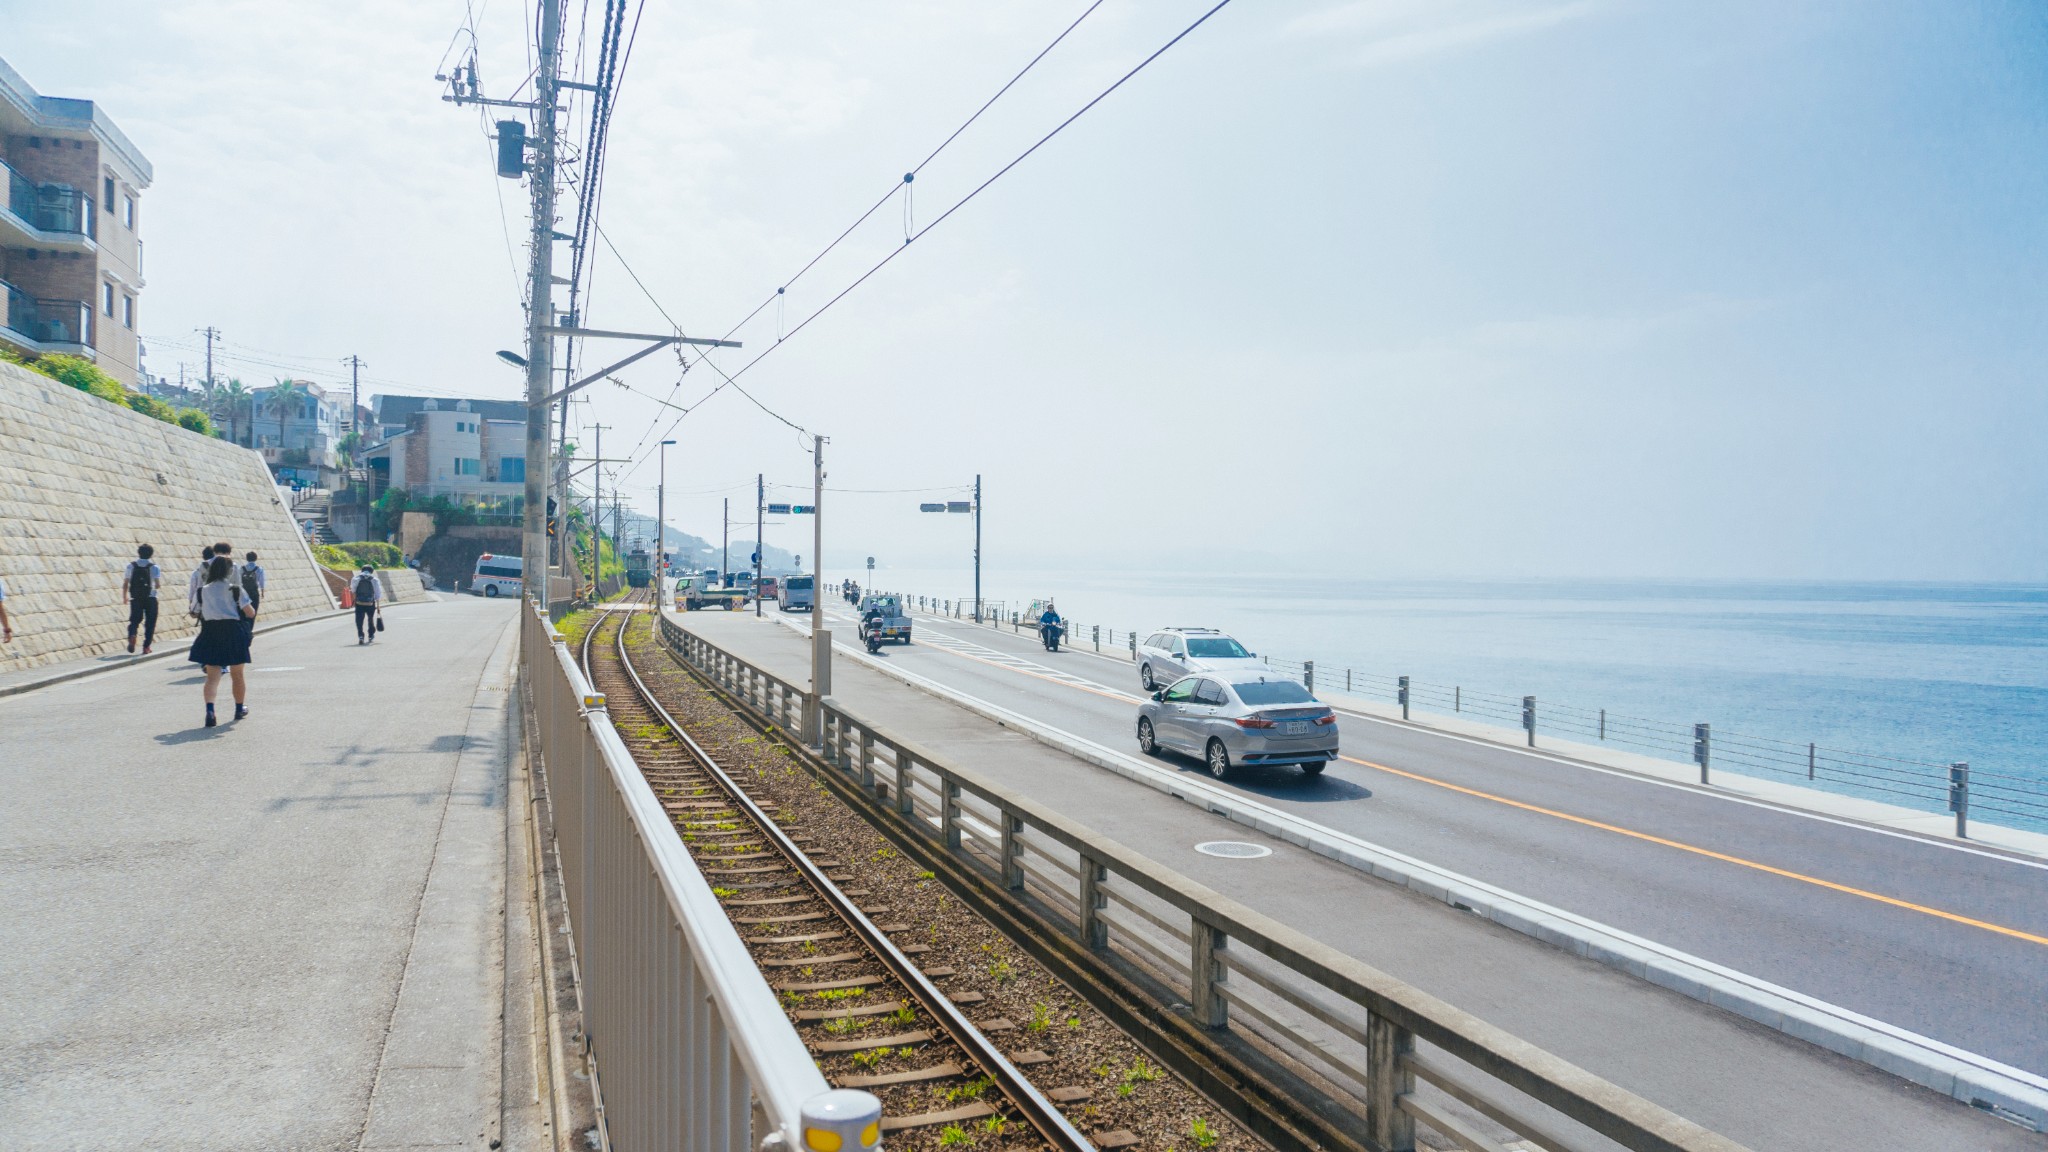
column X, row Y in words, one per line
column 732, row 379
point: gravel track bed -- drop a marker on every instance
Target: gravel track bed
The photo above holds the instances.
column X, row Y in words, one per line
column 1003, row 990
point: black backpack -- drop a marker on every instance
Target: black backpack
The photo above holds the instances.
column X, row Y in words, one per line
column 366, row 588
column 249, row 585
column 140, row 584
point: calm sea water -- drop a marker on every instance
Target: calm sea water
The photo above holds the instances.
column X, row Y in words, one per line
column 1923, row 672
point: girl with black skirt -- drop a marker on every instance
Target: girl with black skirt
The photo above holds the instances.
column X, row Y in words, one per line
column 222, row 642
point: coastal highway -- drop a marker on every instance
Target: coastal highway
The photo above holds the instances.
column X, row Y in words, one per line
column 1945, row 939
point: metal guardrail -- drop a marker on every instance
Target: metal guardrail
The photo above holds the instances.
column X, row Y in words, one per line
column 692, row 1047
column 1388, row 1053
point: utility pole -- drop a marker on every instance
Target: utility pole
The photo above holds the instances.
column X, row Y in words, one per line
column 977, row 548
column 355, row 405
column 211, row 333
column 661, row 528
column 821, row 640
column 597, row 511
column 760, row 497
column 725, row 543
column 540, row 305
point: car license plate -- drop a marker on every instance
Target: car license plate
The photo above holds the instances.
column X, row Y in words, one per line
column 1296, row 727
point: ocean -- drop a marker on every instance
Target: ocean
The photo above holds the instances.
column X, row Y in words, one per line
column 1890, row 682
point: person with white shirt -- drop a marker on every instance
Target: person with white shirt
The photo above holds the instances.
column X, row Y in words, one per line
column 141, row 580
column 222, row 643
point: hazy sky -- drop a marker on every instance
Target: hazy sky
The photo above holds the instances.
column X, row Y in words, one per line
column 1413, row 287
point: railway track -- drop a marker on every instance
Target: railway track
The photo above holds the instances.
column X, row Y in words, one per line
column 851, row 990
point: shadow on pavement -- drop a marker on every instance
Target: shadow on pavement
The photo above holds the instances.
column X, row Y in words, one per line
column 191, row 734
column 1287, row 783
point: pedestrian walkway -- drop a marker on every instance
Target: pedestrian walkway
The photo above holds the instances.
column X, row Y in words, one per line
column 285, row 932
column 1759, row 1087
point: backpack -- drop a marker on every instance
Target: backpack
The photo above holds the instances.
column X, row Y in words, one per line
column 250, row 574
column 141, row 586
column 366, row 588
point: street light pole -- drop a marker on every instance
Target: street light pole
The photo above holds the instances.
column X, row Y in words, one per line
column 977, row 548
column 661, row 527
column 821, row 640
column 761, row 495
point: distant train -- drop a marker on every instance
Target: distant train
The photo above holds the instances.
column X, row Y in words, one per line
column 638, row 574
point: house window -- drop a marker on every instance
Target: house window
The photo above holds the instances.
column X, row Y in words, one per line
column 107, row 300
column 127, row 311
column 108, row 199
column 511, row 469
column 465, row 466
column 128, row 212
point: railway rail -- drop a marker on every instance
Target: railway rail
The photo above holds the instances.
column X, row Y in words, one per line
column 836, row 968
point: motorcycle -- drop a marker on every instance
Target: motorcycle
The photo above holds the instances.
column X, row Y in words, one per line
column 871, row 635
column 1050, row 634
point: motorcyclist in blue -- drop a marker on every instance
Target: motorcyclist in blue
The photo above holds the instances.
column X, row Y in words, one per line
column 1049, row 626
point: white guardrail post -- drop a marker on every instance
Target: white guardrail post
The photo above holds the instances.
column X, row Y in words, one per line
column 692, row 1049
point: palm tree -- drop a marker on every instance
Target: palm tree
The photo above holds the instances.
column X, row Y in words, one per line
column 285, row 399
column 232, row 397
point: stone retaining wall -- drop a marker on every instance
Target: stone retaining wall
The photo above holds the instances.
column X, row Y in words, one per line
column 83, row 481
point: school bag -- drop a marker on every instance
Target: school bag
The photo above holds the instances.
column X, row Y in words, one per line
column 249, row 577
column 366, row 588
column 139, row 583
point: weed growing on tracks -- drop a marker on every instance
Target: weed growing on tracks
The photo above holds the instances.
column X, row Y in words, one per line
column 904, row 1015
column 885, row 853
column 971, row 1090
column 724, row 893
column 1002, row 972
column 873, row 1057
column 995, row 1124
column 1041, row 1017
column 953, row 1134
column 846, row 1024
column 1202, row 1134
column 831, row 994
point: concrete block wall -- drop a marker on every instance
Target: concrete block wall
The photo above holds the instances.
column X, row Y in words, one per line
column 82, row 482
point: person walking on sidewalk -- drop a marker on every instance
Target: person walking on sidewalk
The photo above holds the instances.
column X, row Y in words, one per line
column 221, row 643
column 140, row 583
column 369, row 597
column 197, row 581
column 254, row 583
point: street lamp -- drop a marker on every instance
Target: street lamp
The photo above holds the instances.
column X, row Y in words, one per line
column 661, row 529
column 512, row 358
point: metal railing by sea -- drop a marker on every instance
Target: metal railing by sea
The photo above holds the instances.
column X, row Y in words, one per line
column 1385, row 1053
column 692, row 1049
column 1927, row 785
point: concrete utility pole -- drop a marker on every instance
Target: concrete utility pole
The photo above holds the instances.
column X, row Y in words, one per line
column 661, row 527
column 597, row 511
column 211, row 333
column 725, row 543
column 760, row 507
column 355, row 405
column 540, row 306
column 821, row 640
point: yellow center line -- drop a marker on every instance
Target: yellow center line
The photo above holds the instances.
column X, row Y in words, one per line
column 1713, row 855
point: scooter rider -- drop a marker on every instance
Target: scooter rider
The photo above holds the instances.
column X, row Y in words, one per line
column 1049, row 628
column 871, row 627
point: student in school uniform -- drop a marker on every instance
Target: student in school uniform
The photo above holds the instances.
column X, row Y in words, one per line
column 255, row 583
column 221, row 643
column 141, row 580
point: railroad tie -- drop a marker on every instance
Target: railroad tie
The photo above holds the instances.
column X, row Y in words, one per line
column 812, row 961
column 944, row 1071
column 900, row 1039
column 974, row 1111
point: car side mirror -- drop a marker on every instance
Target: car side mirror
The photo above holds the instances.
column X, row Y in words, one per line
column 1159, row 695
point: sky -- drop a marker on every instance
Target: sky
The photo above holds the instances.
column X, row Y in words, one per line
column 1384, row 288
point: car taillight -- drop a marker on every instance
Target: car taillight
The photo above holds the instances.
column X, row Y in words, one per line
column 1253, row 722
column 1327, row 718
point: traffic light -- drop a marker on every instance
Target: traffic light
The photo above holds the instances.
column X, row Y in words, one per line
column 802, row 509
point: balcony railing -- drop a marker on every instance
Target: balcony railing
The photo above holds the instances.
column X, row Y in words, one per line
column 48, row 321
column 50, row 207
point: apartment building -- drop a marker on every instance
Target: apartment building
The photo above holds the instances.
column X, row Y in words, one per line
column 449, row 448
column 300, row 442
column 70, row 241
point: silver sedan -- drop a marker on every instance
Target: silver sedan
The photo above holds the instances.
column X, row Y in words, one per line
column 1240, row 717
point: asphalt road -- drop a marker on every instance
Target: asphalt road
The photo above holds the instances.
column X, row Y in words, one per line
column 1946, row 940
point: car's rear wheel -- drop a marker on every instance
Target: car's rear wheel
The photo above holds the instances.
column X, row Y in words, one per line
column 1218, row 759
column 1145, row 678
column 1315, row 767
column 1147, row 742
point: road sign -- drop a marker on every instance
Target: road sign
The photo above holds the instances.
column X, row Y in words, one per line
column 931, row 507
column 959, row 505
column 755, row 559
column 778, row 509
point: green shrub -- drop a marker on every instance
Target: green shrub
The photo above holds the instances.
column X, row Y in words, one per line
column 81, row 374
column 152, row 407
column 375, row 552
column 195, row 420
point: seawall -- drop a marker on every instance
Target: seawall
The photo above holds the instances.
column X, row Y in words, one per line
column 82, row 482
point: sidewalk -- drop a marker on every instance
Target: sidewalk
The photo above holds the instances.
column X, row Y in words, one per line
column 283, row 932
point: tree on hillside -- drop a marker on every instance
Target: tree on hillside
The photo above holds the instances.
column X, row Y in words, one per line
column 285, row 399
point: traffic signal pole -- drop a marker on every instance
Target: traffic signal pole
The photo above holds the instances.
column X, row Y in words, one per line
column 977, row 548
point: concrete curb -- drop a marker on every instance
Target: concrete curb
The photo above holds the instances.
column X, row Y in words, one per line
column 1971, row 1078
column 177, row 650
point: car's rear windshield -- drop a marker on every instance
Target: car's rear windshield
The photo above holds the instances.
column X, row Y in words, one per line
column 798, row 583
column 1273, row 692
column 1215, row 647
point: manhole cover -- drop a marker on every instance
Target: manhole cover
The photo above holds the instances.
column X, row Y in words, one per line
column 1235, row 849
